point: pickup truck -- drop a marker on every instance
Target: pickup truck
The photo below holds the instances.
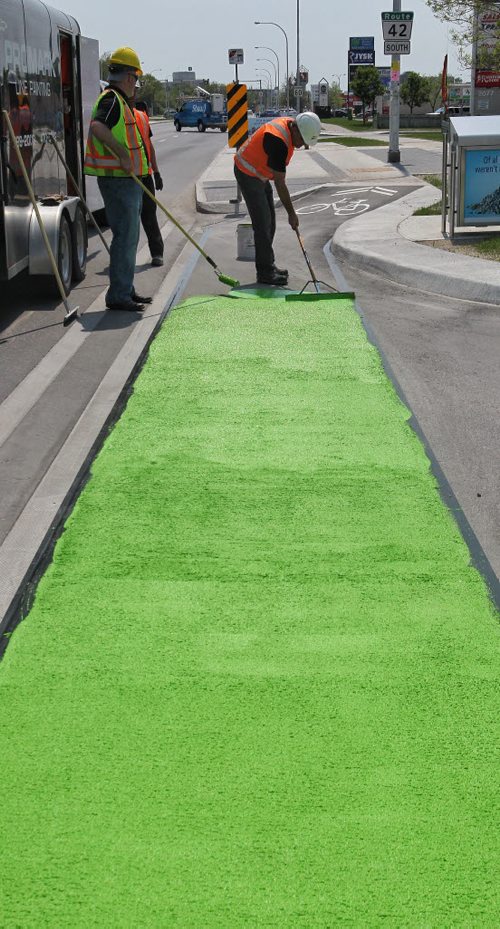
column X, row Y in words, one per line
column 200, row 114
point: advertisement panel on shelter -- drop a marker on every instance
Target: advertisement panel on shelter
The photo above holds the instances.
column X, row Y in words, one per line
column 481, row 187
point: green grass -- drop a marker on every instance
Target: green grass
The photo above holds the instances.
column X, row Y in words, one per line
column 489, row 248
column 356, row 125
column 352, row 141
column 259, row 683
column 433, row 210
column 435, row 179
column 431, row 135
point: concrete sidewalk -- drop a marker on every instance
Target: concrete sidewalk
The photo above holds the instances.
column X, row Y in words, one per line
column 379, row 241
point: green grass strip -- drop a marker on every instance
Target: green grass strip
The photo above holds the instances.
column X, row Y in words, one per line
column 352, row 142
column 259, row 684
column 430, row 136
column 355, row 125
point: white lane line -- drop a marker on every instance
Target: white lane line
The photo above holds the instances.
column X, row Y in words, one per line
column 24, row 396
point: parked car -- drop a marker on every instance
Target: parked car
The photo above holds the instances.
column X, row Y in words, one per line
column 341, row 113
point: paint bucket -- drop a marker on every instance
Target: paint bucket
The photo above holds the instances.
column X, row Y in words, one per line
column 245, row 242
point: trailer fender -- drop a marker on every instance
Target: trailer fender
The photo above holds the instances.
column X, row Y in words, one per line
column 51, row 217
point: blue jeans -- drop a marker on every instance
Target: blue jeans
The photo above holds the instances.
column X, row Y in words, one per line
column 123, row 202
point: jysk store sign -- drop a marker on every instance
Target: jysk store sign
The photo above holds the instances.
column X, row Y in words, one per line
column 358, row 57
column 480, row 187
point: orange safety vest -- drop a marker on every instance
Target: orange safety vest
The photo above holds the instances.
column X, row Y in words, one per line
column 142, row 120
column 251, row 157
column 100, row 161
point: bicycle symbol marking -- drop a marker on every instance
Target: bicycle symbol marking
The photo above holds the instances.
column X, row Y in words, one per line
column 343, row 205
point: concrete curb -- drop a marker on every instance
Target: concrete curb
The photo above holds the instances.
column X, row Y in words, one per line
column 373, row 243
column 29, row 543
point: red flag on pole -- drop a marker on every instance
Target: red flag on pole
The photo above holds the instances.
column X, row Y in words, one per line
column 444, row 83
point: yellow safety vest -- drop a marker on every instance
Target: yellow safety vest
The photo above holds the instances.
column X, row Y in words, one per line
column 100, row 161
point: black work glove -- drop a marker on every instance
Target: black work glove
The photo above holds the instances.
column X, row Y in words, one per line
column 158, row 180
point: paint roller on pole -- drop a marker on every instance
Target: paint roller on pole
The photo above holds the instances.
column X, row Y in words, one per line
column 223, row 278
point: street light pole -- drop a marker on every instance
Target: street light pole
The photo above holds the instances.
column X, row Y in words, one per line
column 269, row 76
column 269, row 61
column 269, row 80
column 258, row 22
column 266, row 47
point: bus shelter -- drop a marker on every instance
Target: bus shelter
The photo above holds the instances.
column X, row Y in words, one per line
column 471, row 173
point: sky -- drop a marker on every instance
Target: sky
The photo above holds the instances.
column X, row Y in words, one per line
column 194, row 33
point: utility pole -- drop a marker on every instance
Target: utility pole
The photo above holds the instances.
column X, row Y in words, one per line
column 297, row 78
column 394, row 156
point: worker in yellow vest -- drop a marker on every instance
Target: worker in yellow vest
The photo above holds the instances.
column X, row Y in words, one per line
column 115, row 149
column 264, row 158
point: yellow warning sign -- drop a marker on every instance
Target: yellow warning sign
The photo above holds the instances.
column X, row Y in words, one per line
column 237, row 114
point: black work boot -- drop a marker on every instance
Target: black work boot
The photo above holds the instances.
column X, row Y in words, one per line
column 273, row 276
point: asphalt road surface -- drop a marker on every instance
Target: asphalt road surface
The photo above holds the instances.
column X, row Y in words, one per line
column 29, row 321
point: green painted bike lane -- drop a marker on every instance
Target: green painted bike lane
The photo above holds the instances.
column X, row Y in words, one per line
column 259, row 683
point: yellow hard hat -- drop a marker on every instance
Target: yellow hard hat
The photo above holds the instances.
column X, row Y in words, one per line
column 127, row 57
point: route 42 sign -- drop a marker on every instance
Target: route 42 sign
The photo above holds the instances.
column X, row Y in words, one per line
column 397, row 26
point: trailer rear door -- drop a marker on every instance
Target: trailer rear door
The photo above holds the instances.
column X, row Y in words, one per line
column 88, row 53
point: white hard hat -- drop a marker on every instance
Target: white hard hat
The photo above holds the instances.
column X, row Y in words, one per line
column 309, row 126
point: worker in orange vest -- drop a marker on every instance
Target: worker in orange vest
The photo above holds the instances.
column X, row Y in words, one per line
column 149, row 218
column 264, row 158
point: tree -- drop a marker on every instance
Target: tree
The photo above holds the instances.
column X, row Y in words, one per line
column 462, row 15
column 366, row 85
column 335, row 97
column 103, row 65
column 152, row 92
column 433, row 89
column 413, row 90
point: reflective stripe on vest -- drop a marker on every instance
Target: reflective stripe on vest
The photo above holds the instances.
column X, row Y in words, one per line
column 251, row 157
column 142, row 120
column 100, row 161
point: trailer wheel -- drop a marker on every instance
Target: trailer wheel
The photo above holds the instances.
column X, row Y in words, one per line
column 177, row 125
column 201, row 127
column 79, row 242
column 64, row 258
column 223, row 128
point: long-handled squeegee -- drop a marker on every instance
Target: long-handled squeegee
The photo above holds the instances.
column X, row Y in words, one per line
column 319, row 295
column 70, row 313
column 223, row 278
